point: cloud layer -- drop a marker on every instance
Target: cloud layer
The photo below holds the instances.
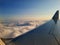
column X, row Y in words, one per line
column 9, row 29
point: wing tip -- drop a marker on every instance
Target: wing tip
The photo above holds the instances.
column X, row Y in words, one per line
column 56, row 16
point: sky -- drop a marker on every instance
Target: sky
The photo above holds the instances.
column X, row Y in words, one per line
column 28, row 9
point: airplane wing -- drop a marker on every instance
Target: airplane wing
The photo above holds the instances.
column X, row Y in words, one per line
column 42, row 35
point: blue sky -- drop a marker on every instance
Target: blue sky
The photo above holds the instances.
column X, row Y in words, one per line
column 16, row 9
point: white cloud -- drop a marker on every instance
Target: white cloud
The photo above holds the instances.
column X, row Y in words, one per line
column 12, row 30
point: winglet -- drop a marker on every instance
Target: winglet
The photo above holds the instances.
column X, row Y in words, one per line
column 56, row 16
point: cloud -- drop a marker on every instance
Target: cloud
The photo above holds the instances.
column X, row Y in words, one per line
column 14, row 29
